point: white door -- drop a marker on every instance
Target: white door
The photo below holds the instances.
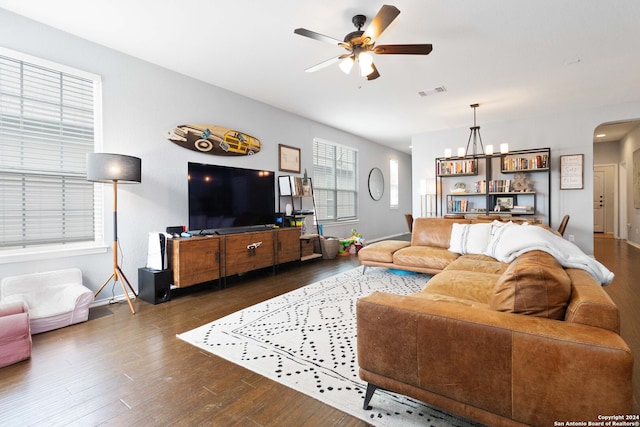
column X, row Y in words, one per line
column 598, row 201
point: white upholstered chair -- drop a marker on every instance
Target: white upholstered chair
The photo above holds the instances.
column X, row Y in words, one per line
column 54, row 299
column 15, row 337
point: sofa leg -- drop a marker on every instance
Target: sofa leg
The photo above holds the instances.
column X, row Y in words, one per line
column 371, row 388
column 364, row 269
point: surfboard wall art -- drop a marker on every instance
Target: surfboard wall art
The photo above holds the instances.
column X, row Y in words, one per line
column 215, row 140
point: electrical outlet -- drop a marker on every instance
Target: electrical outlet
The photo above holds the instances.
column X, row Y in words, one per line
column 572, row 238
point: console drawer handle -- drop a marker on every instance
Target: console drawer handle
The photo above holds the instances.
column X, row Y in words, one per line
column 253, row 245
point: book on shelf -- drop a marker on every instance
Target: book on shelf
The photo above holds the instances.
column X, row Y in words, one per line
column 500, row 186
column 457, row 205
column 457, row 167
column 495, row 186
column 530, row 162
column 521, row 209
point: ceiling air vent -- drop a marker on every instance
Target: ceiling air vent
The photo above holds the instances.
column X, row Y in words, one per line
column 433, row 91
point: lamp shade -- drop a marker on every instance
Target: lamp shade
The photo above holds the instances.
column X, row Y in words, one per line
column 107, row 167
column 346, row 64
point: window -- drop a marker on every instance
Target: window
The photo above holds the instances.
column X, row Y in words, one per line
column 335, row 181
column 394, row 194
column 48, row 122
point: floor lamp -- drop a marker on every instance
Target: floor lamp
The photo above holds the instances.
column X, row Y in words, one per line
column 115, row 168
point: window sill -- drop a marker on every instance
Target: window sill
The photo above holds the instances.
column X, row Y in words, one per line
column 50, row 252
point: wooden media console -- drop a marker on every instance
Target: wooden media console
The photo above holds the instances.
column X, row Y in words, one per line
column 205, row 258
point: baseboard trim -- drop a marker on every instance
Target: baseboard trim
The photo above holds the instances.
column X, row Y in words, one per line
column 635, row 245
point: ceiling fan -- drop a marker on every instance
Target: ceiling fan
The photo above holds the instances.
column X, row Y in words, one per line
column 360, row 44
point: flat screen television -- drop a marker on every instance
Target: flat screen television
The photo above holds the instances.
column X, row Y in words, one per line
column 223, row 198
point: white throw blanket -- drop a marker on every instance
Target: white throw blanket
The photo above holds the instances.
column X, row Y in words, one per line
column 511, row 240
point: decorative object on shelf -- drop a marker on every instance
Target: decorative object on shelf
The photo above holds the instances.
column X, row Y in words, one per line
column 376, row 184
column 521, row 183
column 571, row 172
column 504, row 203
column 459, row 188
column 214, row 139
column 288, row 159
column 115, row 168
column 306, row 187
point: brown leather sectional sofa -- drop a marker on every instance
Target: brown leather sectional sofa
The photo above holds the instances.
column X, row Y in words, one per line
column 523, row 343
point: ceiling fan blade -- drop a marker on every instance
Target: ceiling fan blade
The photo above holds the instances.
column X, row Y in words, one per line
column 374, row 74
column 380, row 22
column 320, row 37
column 326, row 63
column 403, row 49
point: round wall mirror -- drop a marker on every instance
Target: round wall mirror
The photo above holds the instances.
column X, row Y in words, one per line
column 376, row 184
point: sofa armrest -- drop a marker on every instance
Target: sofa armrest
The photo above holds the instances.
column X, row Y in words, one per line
column 75, row 292
column 9, row 308
column 13, row 327
column 525, row 368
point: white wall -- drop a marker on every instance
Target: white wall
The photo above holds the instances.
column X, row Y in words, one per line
column 140, row 102
column 606, row 153
column 568, row 133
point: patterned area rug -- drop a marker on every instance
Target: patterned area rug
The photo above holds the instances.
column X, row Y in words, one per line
column 306, row 340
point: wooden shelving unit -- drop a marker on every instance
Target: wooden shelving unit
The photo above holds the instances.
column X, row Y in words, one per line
column 303, row 213
column 506, row 184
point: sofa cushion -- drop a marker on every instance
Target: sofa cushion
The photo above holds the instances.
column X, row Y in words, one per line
column 470, row 238
column 432, row 296
column 463, row 285
column 423, row 257
column 478, row 263
column 534, row 284
column 381, row 251
column 434, row 232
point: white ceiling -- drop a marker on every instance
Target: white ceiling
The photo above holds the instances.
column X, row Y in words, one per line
column 514, row 57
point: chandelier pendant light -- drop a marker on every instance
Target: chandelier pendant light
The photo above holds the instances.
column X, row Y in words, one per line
column 475, row 136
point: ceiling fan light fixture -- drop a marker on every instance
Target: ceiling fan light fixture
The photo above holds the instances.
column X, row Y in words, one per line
column 365, row 60
column 361, row 44
column 346, row 64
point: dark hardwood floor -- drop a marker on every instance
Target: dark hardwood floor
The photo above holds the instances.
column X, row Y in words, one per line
column 124, row 370
column 624, row 261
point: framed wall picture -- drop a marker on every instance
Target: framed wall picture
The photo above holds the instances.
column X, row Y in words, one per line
column 288, row 159
column 504, row 203
column 572, row 172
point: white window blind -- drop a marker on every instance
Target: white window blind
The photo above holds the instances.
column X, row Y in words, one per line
column 335, row 181
column 47, row 126
column 394, row 189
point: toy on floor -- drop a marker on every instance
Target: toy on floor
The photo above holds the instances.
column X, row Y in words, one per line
column 352, row 245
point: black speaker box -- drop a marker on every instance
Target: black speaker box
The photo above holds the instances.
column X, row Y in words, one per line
column 154, row 286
